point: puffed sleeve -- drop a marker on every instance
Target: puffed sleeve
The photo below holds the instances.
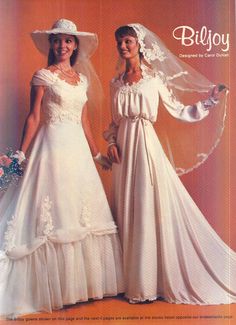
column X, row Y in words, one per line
column 43, row 77
column 187, row 113
column 110, row 134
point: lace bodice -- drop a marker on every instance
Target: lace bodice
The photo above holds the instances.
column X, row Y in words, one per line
column 62, row 101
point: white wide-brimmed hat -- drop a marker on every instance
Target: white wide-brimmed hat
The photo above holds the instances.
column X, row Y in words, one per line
column 87, row 41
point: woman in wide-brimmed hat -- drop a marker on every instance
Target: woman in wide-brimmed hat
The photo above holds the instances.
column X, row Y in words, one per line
column 59, row 243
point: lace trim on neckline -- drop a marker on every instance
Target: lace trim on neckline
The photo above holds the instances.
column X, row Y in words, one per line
column 134, row 86
column 78, row 83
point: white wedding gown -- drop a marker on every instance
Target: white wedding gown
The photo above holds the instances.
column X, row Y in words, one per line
column 59, row 243
column 169, row 249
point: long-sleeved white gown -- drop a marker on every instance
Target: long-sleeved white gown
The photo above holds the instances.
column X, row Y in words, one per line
column 58, row 241
column 169, row 248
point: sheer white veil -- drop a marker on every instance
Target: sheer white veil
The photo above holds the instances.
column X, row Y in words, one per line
column 95, row 90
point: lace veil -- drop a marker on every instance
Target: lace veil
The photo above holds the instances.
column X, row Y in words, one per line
column 187, row 145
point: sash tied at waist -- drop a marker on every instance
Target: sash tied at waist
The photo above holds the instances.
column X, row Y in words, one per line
column 145, row 123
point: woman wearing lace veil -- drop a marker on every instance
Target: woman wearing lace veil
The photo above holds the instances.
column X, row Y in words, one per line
column 59, row 243
column 169, row 249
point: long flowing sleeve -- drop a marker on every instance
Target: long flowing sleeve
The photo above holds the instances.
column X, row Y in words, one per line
column 187, row 113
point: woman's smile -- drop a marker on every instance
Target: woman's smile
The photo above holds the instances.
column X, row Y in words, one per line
column 63, row 46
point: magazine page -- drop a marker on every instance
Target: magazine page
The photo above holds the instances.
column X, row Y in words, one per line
column 117, row 160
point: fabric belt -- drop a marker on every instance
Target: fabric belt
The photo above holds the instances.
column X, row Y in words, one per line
column 145, row 123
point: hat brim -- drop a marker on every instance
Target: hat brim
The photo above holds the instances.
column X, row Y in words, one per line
column 88, row 42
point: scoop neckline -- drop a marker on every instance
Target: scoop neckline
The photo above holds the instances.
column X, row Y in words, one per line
column 58, row 78
column 135, row 83
column 130, row 84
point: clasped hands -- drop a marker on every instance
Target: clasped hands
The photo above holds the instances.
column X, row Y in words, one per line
column 113, row 153
column 113, row 157
column 103, row 161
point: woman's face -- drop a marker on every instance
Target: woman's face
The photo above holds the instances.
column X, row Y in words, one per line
column 63, row 46
column 128, row 46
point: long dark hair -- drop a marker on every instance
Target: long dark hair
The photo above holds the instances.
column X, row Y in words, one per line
column 51, row 56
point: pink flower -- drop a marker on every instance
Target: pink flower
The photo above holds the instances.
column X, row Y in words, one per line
column 1, row 172
column 5, row 161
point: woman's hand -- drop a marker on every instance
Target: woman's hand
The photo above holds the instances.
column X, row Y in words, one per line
column 113, row 154
column 217, row 90
column 103, row 161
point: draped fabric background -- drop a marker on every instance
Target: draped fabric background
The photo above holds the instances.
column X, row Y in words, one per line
column 213, row 185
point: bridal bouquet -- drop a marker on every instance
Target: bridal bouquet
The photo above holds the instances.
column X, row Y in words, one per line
column 10, row 169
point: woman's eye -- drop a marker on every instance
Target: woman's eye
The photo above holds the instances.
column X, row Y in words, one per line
column 68, row 41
